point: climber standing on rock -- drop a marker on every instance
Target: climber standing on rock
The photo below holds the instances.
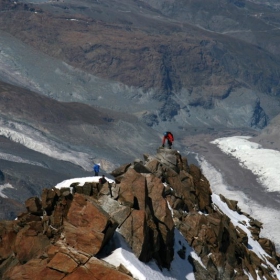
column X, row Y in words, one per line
column 96, row 169
column 169, row 137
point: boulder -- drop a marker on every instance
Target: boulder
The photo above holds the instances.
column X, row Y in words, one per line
column 48, row 198
column 29, row 244
column 133, row 190
column 120, row 170
column 267, row 245
column 155, row 167
column 159, row 205
column 135, row 231
column 168, row 157
column 117, row 211
column 34, row 206
column 139, row 167
column 63, row 263
column 88, row 226
column 232, row 204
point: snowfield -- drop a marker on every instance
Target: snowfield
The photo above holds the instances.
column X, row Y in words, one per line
column 264, row 163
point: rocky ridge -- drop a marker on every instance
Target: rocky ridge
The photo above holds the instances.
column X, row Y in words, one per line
column 63, row 233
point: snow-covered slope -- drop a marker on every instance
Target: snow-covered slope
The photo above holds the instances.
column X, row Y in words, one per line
column 264, row 163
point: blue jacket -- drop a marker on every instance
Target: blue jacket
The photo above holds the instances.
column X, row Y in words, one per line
column 96, row 168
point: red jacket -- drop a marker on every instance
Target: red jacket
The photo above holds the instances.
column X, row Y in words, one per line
column 169, row 137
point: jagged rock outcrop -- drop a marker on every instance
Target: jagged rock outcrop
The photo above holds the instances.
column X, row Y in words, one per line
column 222, row 247
column 63, row 233
column 57, row 238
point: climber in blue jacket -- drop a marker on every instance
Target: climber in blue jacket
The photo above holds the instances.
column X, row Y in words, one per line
column 96, row 169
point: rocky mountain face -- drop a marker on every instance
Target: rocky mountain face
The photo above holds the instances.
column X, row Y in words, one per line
column 65, row 231
column 195, row 66
column 99, row 81
column 94, row 81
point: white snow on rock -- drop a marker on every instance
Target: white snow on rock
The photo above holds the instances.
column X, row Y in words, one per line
column 5, row 186
column 180, row 269
column 81, row 181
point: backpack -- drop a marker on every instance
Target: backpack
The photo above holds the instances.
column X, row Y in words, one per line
column 170, row 136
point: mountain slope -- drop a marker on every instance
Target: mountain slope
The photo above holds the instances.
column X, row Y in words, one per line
column 185, row 71
column 44, row 141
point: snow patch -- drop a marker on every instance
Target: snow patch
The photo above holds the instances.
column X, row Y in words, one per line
column 180, row 269
column 265, row 163
column 5, row 186
column 13, row 158
column 266, row 215
column 37, row 141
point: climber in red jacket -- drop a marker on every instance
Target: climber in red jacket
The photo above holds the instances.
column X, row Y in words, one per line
column 169, row 137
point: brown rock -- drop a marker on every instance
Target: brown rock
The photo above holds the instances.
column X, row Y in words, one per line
column 35, row 269
column 185, row 165
column 124, row 270
column 267, row 245
column 155, row 167
column 168, row 157
column 25, row 218
column 62, row 263
column 162, row 217
column 86, row 213
column 249, row 267
column 133, row 190
column 97, row 269
column 83, row 239
column 34, row 206
column 60, row 246
column 255, row 232
column 139, row 167
column 106, row 189
column 117, row 211
column 135, row 230
column 86, row 189
column 159, row 204
column 232, row 204
column 120, row 170
column 202, row 188
column 255, row 223
column 7, row 238
column 88, row 226
column 7, row 264
column 218, row 260
column 187, row 180
column 48, row 198
column 191, row 225
column 29, row 244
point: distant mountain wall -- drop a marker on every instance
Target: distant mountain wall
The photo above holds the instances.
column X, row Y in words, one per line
column 156, row 54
